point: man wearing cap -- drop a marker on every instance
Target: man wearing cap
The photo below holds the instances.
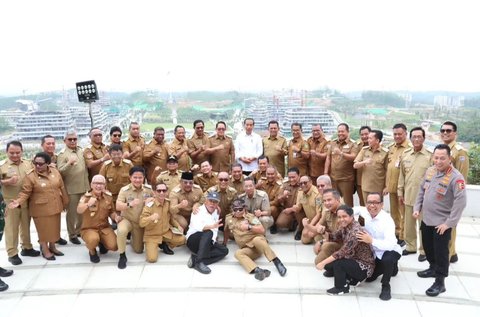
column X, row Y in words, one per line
column 249, row 234
column 155, row 155
column 227, row 194
column 184, row 198
column 207, row 178
column 170, row 177
column 95, row 153
column 257, row 203
column 133, row 147
column 202, row 235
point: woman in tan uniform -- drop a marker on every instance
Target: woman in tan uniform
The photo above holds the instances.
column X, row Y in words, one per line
column 44, row 188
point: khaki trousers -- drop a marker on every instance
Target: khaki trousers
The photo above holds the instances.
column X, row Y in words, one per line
column 411, row 233
column 151, row 247
column 17, row 223
column 74, row 220
column 451, row 244
column 246, row 255
column 93, row 237
column 397, row 212
column 327, row 249
column 346, row 189
column 123, row 228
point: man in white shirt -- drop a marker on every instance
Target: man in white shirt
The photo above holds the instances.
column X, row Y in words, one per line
column 248, row 147
column 380, row 233
column 202, row 235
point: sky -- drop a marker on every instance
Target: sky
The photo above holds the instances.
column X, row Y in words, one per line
column 349, row 45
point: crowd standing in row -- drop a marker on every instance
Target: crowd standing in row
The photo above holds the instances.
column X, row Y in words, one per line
column 162, row 195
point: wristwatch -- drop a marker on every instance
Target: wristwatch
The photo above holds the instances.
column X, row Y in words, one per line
column 249, row 227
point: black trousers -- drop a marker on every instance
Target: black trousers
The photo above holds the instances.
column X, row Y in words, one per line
column 207, row 251
column 386, row 265
column 344, row 269
column 436, row 248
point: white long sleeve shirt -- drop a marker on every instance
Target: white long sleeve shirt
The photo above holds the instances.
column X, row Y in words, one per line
column 201, row 219
column 248, row 145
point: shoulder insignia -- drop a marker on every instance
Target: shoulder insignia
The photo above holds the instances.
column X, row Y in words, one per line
column 177, row 189
column 108, row 162
column 409, row 150
column 29, row 171
column 147, row 186
column 89, row 146
column 390, row 145
column 127, row 161
column 215, row 173
column 458, row 147
column 384, row 149
column 125, row 188
column 163, row 172
column 365, row 147
column 261, row 193
column 2, row 162
column 148, row 143
column 242, row 195
column 197, row 186
column 107, row 193
column 279, row 182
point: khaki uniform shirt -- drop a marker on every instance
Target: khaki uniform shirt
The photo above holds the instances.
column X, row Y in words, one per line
column 308, row 202
column 272, row 189
column 374, row 174
column 205, row 181
column 259, row 201
column 227, row 196
column 460, row 159
column 183, row 160
column 194, row 143
column 92, row 153
column 316, row 165
column 129, row 193
column 358, row 178
column 96, row 217
column 292, row 197
column 156, row 230
column 340, row 168
column 297, row 159
column 222, row 160
column 130, row 144
column 393, row 169
column 177, row 194
column 413, row 166
column 329, row 221
column 74, row 176
column 172, row 180
column 155, row 162
column 238, row 185
column 117, row 176
column 276, row 157
column 243, row 237
column 9, row 169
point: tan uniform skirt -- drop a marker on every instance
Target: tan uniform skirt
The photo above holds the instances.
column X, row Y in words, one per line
column 48, row 228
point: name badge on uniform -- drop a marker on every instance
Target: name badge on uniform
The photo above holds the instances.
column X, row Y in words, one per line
column 346, row 146
column 43, row 184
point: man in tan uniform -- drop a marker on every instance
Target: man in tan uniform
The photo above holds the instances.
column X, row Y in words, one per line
column 318, row 152
column 237, row 178
column 185, row 198
column 460, row 161
column 95, row 153
column 306, row 205
column 414, row 163
column 373, row 160
column 275, row 147
column 115, row 136
column 272, row 186
column 227, row 194
column 395, row 150
column 130, row 204
column 287, row 197
column 171, row 177
column 96, row 206
column 363, row 141
column 259, row 175
column 71, row 164
column 17, row 221
column 339, row 163
column 298, row 150
column 256, row 202
column 249, row 234
column 48, row 146
column 116, row 171
column 179, row 148
column 134, row 145
column 198, row 143
column 155, row 155
column 221, row 149
column 207, row 178
column 160, row 226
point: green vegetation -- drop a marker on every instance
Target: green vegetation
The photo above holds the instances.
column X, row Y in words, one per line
column 383, row 98
column 474, row 172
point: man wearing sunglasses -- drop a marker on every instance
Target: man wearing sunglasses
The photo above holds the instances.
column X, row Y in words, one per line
column 249, row 235
column 227, row 194
column 71, row 164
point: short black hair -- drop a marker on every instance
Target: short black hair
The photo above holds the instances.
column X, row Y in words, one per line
column 48, row 136
column 378, row 134
column 454, row 126
column 178, row 127
column 363, row 127
column 273, row 122
column 158, row 129
column 262, row 157
column 376, row 193
column 345, row 125
column 293, row 169
column 348, row 210
column 400, row 126
column 137, row 169
column 115, row 129
column 249, row 119
column 443, row 147
column 115, row 147
column 15, row 143
column 296, row 124
column 220, row 122
column 43, row 155
column 417, row 129
column 198, row 121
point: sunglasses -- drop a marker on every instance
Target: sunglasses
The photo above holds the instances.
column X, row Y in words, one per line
column 446, row 130
column 302, row 183
column 39, row 163
column 237, row 209
column 161, row 190
column 223, row 179
column 116, row 135
column 72, row 139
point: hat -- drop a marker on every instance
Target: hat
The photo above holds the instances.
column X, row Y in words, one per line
column 187, row 176
column 172, row 158
column 213, row 196
column 238, row 203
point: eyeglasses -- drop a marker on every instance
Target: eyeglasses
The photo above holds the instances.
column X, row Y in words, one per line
column 221, row 129
column 446, row 130
column 237, row 209
column 223, row 179
column 374, row 202
column 302, row 183
column 98, row 183
column 39, row 163
column 116, row 135
column 72, row 139
column 161, row 190
column 199, row 128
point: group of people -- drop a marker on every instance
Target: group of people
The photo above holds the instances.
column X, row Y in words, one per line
column 160, row 195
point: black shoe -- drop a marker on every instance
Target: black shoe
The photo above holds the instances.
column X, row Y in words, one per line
column 353, row 282
column 5, row 273
column 395, row 270
column 338, row 291
column 50, row 258
column 293, row 226
column 437, row 287
column 94, row 258
column 75, row 240
column 371, row 278
column 426, row 273
column 102, row 248
column 191, row 261
column 385, row 294
column 57, row 253
column 261, row 274
column 406, row 252
column 280, row 267
column 166, row 249
column 298, row 236
column 15, row 260
column 454, row 258
column 122, row 262
column 401, row 242
column 29, row 252
column 328, row 273
column 61, row 241
column 422, row 258
column 3, row 286
column 273, row 229
column 202, row 268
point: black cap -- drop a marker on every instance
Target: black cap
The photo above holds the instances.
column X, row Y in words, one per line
column 187, row 176
column 172, row 158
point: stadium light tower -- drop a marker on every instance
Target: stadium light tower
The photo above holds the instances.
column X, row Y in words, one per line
column 87, row 92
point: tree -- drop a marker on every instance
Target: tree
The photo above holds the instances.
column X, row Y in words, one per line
column 474, row 172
